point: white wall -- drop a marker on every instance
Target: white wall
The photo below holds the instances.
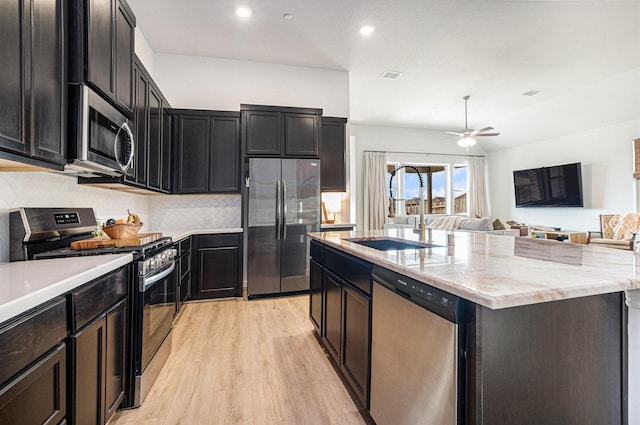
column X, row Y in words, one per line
column 144, row 52
column 607, row 183
column 223, row 84
column 396, row 139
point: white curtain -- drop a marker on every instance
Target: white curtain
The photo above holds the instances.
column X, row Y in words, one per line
column 478, row 200
column 375, row 197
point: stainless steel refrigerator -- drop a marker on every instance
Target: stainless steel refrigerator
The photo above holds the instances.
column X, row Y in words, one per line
column 283, row 205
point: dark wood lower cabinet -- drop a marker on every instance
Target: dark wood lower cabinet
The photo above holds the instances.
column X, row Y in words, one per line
column 356, row 337
column 38, row 395
column 333, row 314
column 217, row 263
column 315, row 295
column 98, row 367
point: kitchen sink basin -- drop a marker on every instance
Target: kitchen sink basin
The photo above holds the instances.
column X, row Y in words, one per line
column 386, row 244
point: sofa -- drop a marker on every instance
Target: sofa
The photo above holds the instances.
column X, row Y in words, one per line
column 450, row 222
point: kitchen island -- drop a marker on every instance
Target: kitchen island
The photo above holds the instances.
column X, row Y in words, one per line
column 543, row 334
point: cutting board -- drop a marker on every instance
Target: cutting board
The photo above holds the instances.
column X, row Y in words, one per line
column 101, row 242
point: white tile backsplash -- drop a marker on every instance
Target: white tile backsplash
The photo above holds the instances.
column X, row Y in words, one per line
column 173, row 212
column 41, row 189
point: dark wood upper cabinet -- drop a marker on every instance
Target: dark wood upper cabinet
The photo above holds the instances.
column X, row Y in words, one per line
column 206, row 151
column 152, row 135
column 302, row 134
column 154, row 147
column 124, row 55
column 191, row 153
column 167, row 122
column 333, row 155
column 110, row 46
column 273, row 131
column 33, row 78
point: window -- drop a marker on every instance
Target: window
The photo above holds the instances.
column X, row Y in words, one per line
column 445, row 188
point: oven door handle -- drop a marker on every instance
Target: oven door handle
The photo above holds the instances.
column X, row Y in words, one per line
column 146, row 283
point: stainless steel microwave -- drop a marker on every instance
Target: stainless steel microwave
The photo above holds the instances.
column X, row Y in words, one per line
column 100, row 137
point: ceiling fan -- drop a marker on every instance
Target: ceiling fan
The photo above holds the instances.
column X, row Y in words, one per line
column 467, row 135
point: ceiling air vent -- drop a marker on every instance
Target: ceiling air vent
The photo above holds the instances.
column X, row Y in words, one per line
column 531, row 92
column 391, row 75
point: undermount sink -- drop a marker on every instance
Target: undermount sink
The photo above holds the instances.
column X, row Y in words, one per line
column 387, row 244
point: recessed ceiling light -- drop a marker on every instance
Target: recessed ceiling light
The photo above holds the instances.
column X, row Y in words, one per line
column 390, row 75
column 287, row 16
column 367, row 30
column 244, row 11
column 531, row 92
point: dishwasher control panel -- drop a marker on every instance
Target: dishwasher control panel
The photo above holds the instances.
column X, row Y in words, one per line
column 446, row 305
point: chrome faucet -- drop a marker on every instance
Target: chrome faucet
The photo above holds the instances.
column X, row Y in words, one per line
column 421, row 228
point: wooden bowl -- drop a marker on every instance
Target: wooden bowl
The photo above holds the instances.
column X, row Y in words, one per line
column 122, row 230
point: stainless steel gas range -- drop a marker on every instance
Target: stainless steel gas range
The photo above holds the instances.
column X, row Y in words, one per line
column 39, row 233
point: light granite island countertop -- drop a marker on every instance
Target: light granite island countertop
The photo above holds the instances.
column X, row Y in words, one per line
column 499, row 271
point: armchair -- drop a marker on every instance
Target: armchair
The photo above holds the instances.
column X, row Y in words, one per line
column 605, row 236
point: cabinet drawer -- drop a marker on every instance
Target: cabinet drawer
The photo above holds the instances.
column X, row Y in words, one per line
column 184, row 246
column 350, row 268
column 26, row 339
column 218, row 241
column 38, row 396
column 95, row 297
column 316, row 251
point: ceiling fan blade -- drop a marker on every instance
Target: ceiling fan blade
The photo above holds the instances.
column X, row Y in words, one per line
column 487, row 134
column 454, row 133
column 482, row 130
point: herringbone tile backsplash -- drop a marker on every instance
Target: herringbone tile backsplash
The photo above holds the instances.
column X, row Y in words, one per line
column 196, row 211
column 40, row 189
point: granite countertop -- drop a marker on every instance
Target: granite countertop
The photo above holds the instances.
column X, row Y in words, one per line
column 27, row 284
column 499, row 271
column 179, row 234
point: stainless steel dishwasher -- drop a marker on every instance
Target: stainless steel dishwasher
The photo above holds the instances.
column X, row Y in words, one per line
column 417, row 353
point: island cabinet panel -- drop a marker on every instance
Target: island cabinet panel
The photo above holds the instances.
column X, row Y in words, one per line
column 345, row 314
column 332, row 287
column 356, row 336
column 217, row 262
column 559, row 362
column 315, row 296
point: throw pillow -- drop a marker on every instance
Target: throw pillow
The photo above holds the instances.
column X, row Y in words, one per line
column 497, row 225
column 609, row 226
column 626, row 227
column 483, row 224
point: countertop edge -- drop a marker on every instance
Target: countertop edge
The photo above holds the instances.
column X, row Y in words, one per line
column 180, row 234
column 27, row 302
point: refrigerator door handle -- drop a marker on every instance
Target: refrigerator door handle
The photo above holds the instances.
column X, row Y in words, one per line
column 284, row 208
column 278, row 208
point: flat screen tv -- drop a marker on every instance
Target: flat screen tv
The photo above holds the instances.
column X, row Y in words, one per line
column 558, row 186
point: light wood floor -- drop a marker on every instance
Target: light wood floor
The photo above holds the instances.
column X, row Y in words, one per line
column 245, row 362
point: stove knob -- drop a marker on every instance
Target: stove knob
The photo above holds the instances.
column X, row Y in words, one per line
column 153, row 263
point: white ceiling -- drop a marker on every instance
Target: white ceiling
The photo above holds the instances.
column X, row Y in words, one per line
column 583, row 55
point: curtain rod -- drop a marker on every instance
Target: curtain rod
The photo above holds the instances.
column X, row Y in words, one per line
column 426, row 153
